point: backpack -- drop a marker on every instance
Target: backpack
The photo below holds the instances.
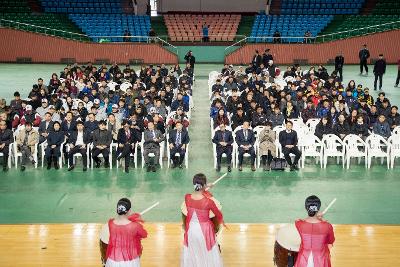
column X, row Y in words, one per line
column 278, row 164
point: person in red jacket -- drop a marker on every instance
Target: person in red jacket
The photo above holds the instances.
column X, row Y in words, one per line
column 398, row 74
column 28, row 116
column 317, row 237
column 126, row 232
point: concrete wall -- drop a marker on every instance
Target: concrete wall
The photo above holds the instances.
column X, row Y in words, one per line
column 387, row 43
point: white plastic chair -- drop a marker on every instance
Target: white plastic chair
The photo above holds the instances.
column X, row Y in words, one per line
column 78, row 155
column 377, row 147
column 333, row 146
column 312, row 124
column 124, row 86
column 394, row 148
column 396, row 130
column 297, row 123
column 277, row 130
column 355, row 147
column 311, row 146
column 101, row 156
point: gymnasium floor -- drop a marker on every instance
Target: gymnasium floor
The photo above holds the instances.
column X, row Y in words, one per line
column 59, row 197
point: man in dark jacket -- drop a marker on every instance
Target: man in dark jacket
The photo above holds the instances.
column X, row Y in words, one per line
column 127, row 139
column 288, row 140
column 339, row 62
column 381, row 127
column 341, row 128
column 78, row 143
column 257, row 60
column 102, row 139
column 379, row 70
column 363, row 55
column 266, row 57
column 190, row 59
column 6, row 139
column 178, row 141
column 245, row 140
column 223, row 140
column 394, row 118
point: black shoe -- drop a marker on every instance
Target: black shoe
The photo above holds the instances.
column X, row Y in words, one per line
column 253, row 168
column 106, row 165
column 180, row 166
column 84, row 168
column 71, row 168
column 148, row 168
column 229, row 168
column 33, row 162
column 98, row 164
column 267, row 167
column 218, row 168
column 49, row 165
column 292, row 168
column 23, row 168
column 126, row 169
column 296, row 167
column 240, row 168
column 5, row 168
column 153, row 169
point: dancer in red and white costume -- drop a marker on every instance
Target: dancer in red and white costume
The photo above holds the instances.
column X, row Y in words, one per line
column 126, row 232
column 200, row 246
column 317, row 237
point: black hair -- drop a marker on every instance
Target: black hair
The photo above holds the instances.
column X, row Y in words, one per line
column 17, row 94
column 312, row 205
column 103, row 122
column 199, row 181
column 123, row 206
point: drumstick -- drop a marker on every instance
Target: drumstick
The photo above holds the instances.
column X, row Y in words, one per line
column 329, row 206
column 219, row 179
column 150, row 208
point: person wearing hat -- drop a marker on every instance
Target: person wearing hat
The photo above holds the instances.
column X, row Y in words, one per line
column 363, row 55
column 43, row 108
column 102, row 139
column 367, row 97
column 6, row 139
column 125, row 234
column 379, row 70
column 26, row 141
column 78, row 143
column 30, row 116
column 127, row 139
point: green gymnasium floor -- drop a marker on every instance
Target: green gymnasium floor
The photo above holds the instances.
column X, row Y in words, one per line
column 41, row 196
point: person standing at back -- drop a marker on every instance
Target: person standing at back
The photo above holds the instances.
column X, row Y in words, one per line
column 398, row 74
column 363, row 55
column 379, row 70
column 190, row 59
column 339, row 62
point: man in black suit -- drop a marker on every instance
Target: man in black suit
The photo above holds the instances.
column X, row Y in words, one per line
column 45, row 127
column 288, row 140
column 102, row 139
column 245, row 140
column 257, row 60
column 339, row 62
column 363, row 55
column 379, row 70
column 223, row 140
column 78, row 142
column 178, row 141
column 127, row 139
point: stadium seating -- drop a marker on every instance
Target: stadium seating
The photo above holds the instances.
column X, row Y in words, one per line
column 82, row 6
column 14, row 6
column 189, row 27
column 321, row 7
column 52, row 21
column 387, row 7
column 288, row 26
column 111, row 25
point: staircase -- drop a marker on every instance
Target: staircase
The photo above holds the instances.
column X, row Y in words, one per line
column 35, row 6
column 245, row 26
column 275, row 7
column 332, row 27
column 158, row 25
column 369, row 5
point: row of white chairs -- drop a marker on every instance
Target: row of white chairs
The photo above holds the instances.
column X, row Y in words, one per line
column 352, row 146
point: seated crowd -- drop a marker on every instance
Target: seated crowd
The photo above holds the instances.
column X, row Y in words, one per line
column 262, row 98
column 92, row 112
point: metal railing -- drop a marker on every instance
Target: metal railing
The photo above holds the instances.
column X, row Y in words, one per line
column 43, row 30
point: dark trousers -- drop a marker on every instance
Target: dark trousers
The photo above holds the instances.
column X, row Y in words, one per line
column 378, row 76
column 125, row 152
column 294, row 150
column 267, row 158
column 5, row 151
column 52, row 152
column 221, row 150
column 181, row 151
column 105, row 152
column 75, row 150
column 398, row 77
column 363, row 64
column 250, row 151
column 340, row 72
